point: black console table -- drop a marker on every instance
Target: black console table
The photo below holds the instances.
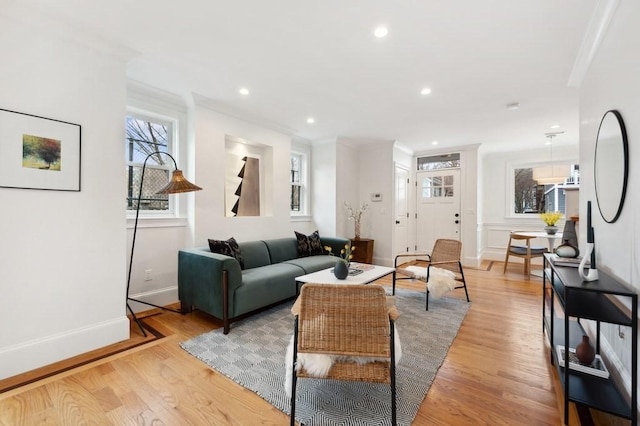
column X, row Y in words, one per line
column 590, row 301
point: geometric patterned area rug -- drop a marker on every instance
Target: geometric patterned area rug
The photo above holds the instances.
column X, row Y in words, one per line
column 253, row 354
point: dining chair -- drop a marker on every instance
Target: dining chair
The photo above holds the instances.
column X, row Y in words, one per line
column 526, row 252
column 346, row 321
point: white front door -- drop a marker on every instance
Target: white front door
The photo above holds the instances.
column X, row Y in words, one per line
column 438, row 207
column 401, row 231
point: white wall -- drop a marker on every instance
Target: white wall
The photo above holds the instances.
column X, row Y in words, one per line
column 63, row 253
column 612, row 83
column 496, row 174
column 323, row 178
column 211, row 129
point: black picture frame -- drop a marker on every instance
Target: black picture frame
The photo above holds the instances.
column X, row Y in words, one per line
column 39, row 153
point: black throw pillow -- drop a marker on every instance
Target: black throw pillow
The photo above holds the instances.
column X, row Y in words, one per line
column 228, row 248
column 309, row 245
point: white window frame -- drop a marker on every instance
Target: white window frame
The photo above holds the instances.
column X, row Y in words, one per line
column 149, row 102
column 304, row 154
column 510, row 179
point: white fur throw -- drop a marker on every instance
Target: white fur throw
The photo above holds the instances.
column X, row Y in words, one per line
column 318, row 365
column 440, row 282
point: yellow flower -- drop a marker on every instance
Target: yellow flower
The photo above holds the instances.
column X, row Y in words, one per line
column 551, row 218
column 345, row 253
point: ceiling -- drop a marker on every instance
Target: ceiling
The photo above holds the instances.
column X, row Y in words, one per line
column 320, row 59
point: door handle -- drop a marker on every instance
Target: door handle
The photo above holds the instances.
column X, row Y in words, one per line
column 397, row 222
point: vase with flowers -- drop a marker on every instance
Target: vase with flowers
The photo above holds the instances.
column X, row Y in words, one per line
column 341, row 270
column 550, row 219
column 356, row 216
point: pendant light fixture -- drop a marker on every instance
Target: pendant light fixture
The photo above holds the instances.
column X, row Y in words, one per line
column 552, row 173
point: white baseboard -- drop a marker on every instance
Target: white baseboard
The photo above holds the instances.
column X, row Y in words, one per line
column 161, row 297
column 38, row 353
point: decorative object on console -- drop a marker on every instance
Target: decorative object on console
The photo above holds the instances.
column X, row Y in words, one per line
column 566, row 249
column 356, row 216
column 176, row 185
column 585, row 352
column 592, row 272
column 569, row 246
column 551, row 218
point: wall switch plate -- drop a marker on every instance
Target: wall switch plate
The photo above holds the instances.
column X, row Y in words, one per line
column 147, row 274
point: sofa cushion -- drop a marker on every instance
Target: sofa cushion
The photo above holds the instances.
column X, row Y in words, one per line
column 264, row 286
column 314, row 263
column 309, row 245
column 255, row 254
column 228, row 248
column 281, row 249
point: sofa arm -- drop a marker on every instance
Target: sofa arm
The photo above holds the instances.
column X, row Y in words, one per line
column 201, row 283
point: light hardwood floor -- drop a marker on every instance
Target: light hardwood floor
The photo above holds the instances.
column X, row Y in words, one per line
column 496, row 373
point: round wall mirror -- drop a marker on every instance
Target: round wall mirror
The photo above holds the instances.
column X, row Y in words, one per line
column 611, row 165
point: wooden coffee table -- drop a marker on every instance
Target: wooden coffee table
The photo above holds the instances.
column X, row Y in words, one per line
column 367, row 276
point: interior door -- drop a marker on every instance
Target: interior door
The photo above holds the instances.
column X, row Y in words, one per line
column 438, row 207
column 401, row 230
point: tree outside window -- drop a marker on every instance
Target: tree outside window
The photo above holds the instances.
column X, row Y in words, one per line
column 145, row 136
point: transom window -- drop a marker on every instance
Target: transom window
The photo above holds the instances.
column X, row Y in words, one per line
column 148, row 135
column 436, row 162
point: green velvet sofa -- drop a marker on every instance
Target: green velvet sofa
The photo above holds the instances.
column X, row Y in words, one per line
column 215, row 283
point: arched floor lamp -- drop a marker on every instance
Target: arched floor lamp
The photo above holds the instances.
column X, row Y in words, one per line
column 176, row 185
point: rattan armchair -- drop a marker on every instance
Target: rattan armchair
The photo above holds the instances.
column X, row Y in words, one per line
column 346, row 321
column 445, row 255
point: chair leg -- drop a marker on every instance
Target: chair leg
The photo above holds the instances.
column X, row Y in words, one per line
column 506, row 260
column 427, row 306
column 393, row 375
column 427, row 295
column 294, row 376
column 464, row 282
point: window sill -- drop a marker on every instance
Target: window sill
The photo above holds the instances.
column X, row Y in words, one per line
column 157, row 222
column 301, row 218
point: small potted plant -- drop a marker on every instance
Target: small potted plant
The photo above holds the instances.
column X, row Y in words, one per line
column 550, row 219
column 341, row 270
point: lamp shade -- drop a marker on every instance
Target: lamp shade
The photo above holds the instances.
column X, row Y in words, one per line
column 177, row 184
column 551, row 174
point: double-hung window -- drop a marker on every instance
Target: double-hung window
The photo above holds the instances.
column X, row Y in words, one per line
column 298, row 179
column 149, row 136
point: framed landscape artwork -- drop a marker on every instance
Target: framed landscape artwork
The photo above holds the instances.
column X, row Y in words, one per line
column 38, row 152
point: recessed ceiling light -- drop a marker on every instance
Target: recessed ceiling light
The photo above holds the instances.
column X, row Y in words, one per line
column 425, row 91
column 434, row 143
column 381, row 32
column 513, row 105
column 555, row 126
column 311, row 120
column 243, row 91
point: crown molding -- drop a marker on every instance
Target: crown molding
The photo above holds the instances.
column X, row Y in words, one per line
column 221, row 108
column 598, row 24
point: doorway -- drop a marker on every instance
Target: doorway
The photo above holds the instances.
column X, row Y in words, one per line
column 438, row 207
column 401, row 229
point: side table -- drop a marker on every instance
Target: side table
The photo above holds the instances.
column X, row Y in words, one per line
column 364, row 250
